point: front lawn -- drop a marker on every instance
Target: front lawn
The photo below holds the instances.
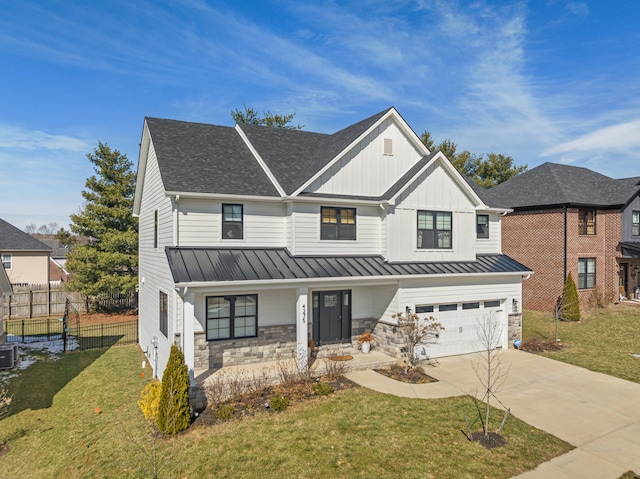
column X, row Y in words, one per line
column 351, row 433
column 604, row 340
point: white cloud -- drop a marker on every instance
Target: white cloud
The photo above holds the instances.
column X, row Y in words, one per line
column 22, row 139
column 620, row 137
column 579, row 9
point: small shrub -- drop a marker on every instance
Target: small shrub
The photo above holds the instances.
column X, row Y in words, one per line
column 570, row 301
column 174, row 410
column 279, row 402
column 596, row 299
column 322, row 389
column 150, row 400
column 226, row 412
column 335, row 369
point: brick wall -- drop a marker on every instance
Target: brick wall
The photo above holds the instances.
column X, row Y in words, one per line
column 536, row 239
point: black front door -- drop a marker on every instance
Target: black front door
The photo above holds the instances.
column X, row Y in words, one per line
column 624, row 279
column 331, row 316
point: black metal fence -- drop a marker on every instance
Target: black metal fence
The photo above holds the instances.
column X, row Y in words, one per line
column 77, row 337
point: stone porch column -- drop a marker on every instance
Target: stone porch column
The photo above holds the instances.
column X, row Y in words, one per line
column 302, row 319
column 188, row 339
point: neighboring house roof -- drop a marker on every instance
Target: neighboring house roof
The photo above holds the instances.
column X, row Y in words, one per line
column 630, row 249
column 202, row 265
column 14, row 239
column 57, row 250
column 551, row 184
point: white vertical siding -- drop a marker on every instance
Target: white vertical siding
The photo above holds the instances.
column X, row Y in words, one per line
column 434, row 190
column 154, row 274
column 365, row 170
column 492, row 244
column 306, row 226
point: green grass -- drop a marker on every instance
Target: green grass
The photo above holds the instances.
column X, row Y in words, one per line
column 353, row 433
column 604, row 340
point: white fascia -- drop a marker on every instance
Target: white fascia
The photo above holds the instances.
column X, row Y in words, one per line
column 316, row 282
column 260, row 161
column 142, row 168
column 209, row 196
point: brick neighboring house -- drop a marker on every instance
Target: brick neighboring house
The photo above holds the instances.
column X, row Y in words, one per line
column 571, row 219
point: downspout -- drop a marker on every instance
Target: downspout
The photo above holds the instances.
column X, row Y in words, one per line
column 565, row 241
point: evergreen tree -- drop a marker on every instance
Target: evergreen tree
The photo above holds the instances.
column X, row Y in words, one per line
column 110, row 260
column 174, row 410
column 570, row 300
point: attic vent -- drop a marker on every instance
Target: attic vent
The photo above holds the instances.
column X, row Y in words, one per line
column 388, row 147
column 8, row 356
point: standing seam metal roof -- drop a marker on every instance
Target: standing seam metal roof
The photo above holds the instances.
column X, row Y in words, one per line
column 201, row 265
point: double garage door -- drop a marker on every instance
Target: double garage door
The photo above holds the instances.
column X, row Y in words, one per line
column 460, row 335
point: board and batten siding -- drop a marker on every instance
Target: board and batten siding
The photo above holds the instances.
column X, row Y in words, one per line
column 433, row 190
column 306, row 232
column 154, row 274
column 626, row 220
column 200, row 224
column 365, row 170
column 492, row 244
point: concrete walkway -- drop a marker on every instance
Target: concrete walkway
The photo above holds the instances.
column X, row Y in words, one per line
column 598, row 414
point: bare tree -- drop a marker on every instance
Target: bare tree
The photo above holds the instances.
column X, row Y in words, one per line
column 31, row 228
column 490, row 369
column 415, row 331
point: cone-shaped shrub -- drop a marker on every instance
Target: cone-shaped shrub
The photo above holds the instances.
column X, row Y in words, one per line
column 570, row 300
column 174, row 410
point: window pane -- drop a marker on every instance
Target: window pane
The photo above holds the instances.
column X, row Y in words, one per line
column 443, row 221
column 635, row 223
column 491, row 304
column 447, row 307
column 232, row 213
column 348, row 216
column 329, row 216
column 470, row 305
column 444, row 239
column 348, row 232
column 425, row 220
column 424, row 309
column 482, row 226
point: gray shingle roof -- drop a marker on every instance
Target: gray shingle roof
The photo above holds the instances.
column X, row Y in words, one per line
column 551, row 184
column 201, row 158
column 238, row 264
column 630, row 249
column 14, row 239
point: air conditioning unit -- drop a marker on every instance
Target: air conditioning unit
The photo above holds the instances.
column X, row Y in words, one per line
column 8, row 355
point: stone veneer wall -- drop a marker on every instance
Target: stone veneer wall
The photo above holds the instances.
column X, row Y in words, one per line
column 515, row 327
column 389, row 341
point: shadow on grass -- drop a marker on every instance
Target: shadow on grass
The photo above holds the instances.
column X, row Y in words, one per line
column 35, row 387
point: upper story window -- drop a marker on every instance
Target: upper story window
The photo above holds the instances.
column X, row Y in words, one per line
column 586, row 222
column 232, row 221
column 337, row 223
column 434, row 230
column 586, row 273
column 635, row 223
column 482, row 226
column 7, row 259
column 155, row 229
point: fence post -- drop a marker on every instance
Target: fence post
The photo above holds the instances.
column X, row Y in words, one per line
column 102, row 335
column 23, row 331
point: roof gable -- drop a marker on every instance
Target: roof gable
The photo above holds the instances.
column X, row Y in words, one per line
column 14, row 239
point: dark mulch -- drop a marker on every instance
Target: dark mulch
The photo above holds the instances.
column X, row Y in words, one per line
column 255, row 403
column 540, row 345
column 490, row 441
column 415, row 375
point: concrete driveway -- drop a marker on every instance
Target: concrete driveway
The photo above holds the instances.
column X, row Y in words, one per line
column 598, row 414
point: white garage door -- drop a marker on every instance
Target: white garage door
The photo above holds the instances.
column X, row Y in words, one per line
column 460, row 335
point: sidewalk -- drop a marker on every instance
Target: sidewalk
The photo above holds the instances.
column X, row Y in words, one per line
column 598, row 414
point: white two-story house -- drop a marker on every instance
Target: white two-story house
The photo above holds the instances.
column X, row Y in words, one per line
column 256, row 241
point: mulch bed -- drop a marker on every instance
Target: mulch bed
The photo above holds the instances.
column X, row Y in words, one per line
column 490, row 441
column 252, row 404
column 540, row 345
column 415, row 375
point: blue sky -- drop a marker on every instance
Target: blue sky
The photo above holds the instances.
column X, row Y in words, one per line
column 540, row 80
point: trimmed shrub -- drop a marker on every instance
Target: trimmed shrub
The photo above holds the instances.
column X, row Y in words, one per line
column 174, row 410
column 150, row 400
column 322, row 389
column 570, row 300
column 279, row 403
column 225, row 412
